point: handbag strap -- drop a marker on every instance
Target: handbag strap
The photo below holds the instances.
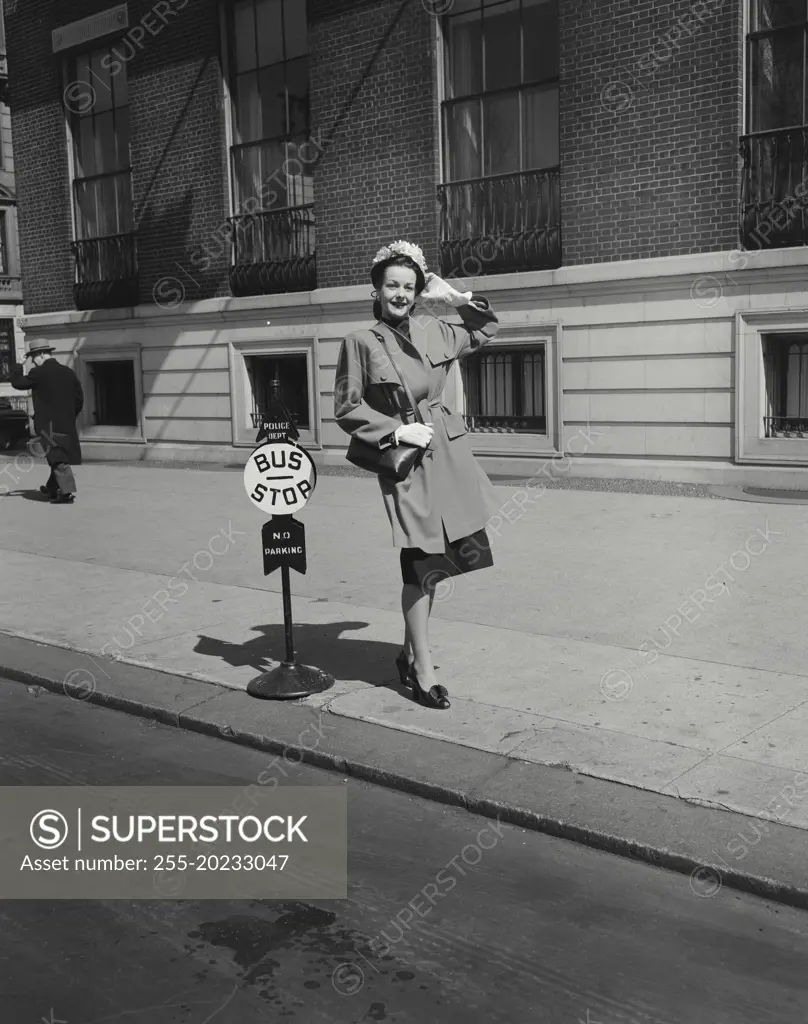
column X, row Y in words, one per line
column 413, row 404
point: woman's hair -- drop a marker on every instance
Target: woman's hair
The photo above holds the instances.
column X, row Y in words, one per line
column 377, row 276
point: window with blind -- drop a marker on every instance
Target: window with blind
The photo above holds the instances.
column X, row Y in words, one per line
column 501, row 82
column 775, row 148
column 500, row 192
column 273, row 236
column 99, row 120
column 270, row 100
column 97, row 104
column 776, row 66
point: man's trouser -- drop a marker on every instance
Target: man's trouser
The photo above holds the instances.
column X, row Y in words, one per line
column 61, row 477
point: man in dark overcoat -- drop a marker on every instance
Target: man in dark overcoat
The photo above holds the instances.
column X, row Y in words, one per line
column 58, row 399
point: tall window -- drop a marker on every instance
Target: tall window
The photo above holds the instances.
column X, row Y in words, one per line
column 98, row 103
column 270, row 86
column 501, row 111
column 775, row 150
column 778, row 86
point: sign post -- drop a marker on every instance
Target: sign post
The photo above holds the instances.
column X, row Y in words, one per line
column 279, row 478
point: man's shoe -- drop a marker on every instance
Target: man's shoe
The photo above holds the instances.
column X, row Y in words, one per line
column 47, row 490
column 63, row 499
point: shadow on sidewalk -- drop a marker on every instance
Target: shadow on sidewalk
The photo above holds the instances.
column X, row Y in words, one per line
column 323, row 646
column 28, row 495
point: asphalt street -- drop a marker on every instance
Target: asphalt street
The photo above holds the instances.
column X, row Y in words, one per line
column 538, row 930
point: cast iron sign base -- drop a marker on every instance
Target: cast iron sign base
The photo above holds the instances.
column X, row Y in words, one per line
column 290, row 681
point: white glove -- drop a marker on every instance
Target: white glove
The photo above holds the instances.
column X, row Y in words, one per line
column 438, row 290
column 418, row 434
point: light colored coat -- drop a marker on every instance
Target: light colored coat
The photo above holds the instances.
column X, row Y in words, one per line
column 449, row 489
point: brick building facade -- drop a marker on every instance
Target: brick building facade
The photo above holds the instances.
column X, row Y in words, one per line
column 204, row 182
column 13, row 407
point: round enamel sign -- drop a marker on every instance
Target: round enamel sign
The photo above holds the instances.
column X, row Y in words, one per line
column 280, row 478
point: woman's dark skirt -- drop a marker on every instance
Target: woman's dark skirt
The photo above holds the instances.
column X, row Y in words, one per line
column 461, row 556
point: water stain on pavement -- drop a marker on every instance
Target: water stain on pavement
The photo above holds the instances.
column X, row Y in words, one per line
column 291, row 950
column 252, row 938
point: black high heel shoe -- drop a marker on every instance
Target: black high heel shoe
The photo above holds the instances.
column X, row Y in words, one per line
column 435, row 697
column 403, row 666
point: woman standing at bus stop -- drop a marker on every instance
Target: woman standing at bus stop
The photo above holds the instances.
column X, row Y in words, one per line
column 439, row 511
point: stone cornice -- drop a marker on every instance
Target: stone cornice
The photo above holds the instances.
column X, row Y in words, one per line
column 626, row 277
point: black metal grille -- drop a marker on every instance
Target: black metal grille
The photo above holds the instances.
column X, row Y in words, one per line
column 498, row 225
column 106, row 272
column 292, row 373
column 506, row 391
column 273, row 251
column 785, row 361
column 774, row 189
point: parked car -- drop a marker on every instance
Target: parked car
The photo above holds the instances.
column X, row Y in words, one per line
column 14, row 430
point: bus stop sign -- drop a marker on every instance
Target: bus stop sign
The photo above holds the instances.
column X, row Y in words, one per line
column 279, row 478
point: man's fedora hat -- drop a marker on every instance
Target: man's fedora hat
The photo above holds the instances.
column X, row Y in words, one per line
column 37, row 347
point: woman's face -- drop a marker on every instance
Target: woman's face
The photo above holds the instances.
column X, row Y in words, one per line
column 397, row 292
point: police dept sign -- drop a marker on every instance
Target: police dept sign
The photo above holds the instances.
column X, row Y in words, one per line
column 280, row 478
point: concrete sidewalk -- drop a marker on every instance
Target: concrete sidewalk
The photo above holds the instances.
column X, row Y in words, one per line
column 654, row 641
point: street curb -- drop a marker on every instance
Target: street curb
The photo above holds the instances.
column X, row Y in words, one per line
column 539, row 798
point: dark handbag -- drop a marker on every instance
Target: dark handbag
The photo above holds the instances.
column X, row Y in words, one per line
column 396, row 462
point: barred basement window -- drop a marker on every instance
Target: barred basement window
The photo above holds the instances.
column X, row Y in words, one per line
column 506, row 390
column 114, row 401
column 292, row 372
column 785, row 367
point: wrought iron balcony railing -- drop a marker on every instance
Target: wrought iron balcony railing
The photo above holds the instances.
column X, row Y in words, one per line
column 106, row 272
column 774, row 189
column 502, row 224
column 273, row 251
column 785, row 426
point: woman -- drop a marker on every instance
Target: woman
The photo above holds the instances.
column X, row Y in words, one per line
column 438, row 514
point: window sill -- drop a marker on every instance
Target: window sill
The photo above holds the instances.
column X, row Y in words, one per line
column 126, row 435
column 512, row 444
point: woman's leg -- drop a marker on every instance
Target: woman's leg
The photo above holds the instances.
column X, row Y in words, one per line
column 408, row 647
column 416, row 606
